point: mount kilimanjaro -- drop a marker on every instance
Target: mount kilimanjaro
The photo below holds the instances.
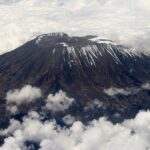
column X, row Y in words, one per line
column 86, row 68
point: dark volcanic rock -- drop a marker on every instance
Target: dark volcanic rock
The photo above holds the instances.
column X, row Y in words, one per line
column 82, row 67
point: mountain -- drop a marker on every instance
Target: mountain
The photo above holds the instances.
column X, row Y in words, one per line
column 86, row 68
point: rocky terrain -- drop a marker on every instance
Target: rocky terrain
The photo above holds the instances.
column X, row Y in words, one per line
column 104, row 77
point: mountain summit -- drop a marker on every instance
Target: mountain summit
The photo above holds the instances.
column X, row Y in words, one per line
column 86, row 68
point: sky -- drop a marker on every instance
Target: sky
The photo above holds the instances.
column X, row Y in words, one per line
column 124, row 21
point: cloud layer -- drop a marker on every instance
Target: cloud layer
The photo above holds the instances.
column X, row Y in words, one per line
column 121, row 20
column 100, row 134
column 34, row 132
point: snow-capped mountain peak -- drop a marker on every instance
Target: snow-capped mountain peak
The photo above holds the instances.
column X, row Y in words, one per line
column 81, row 67
column 50, row 35
column 84, row 50
column 105, row 41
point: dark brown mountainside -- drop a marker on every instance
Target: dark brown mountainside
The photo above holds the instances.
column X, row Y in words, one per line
column 83, row 67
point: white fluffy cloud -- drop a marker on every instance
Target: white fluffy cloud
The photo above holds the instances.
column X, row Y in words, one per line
column 16, row 97
column 58, row 102
column 26, row 94
column 122, row 20
column 100, row 134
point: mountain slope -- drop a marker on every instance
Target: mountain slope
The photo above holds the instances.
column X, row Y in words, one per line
column 83, row 67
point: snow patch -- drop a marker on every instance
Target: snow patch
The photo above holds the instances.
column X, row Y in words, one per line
column 124, row 50
column 100, row 40
column 64, row 44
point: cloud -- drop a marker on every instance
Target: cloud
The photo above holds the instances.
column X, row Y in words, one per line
column 116, row 91
column 68, row 119
column 98, row 134
column 112, row 91
column 8, row 1
column 124, row 21
column 12, row 108
column 146, row 86
column 58, row 102
column 16, row 97
column 94, row 105
column 26, row 94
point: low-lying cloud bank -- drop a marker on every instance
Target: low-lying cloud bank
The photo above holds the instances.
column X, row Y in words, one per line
column 100, row 134
column 32, row 133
